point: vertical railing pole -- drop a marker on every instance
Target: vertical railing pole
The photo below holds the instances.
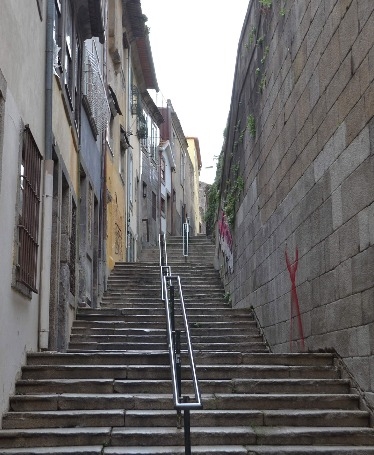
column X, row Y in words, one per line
column 171, row 302
column 178, row 361
column 187, row 429
column 178, row 370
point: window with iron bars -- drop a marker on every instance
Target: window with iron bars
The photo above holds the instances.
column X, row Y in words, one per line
column 141, row 117
column 28, row 222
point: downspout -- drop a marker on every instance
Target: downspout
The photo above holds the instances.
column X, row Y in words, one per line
column 45, row 278
column 159, row 189
column 172, row 202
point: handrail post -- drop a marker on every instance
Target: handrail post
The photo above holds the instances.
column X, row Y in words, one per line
column 178, row 370
column 178, row 360
column 171, row 301
column 186, row 232
column 187, row 428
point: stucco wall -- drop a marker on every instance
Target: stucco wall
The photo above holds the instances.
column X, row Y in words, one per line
column 301, row 135
column 18, row 315
column 22, row 56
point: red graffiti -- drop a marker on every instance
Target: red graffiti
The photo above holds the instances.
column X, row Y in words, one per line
column 295, row 308
column 226, row 241
column 224, row 231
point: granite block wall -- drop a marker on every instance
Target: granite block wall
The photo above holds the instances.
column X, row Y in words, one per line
column 300, row 134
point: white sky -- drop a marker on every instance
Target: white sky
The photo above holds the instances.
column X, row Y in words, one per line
column 194, row 45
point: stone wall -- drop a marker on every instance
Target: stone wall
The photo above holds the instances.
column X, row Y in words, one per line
column 301, row 136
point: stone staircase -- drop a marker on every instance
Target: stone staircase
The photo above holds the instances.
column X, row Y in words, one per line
column 111, row 392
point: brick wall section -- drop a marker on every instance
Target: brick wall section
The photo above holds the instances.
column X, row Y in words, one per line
column 306, row 75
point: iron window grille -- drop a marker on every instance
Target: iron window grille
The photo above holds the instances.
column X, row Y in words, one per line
column 28, row 224
column 141, row 118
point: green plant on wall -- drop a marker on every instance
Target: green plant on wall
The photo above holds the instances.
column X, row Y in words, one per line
column 262, row 84
column 227, row 298
column 213, row 196
column 234, row 191
column 266, row 3
column 266, row 52
column 251, row 125
column 251, row 37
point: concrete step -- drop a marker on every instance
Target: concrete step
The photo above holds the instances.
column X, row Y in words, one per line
column 161, row 357
column 144, row 372
column 197, row 450
column 222, row 401
column 45, row 437
column 64, row 419
column 160, row 323
column 244, row 436
column 242, row 450
column 193, row 317
column 159, row 418
column 79, row 346
column 235, row 386
column 192, row 310
column 78, row 450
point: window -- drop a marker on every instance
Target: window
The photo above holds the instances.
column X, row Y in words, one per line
column 162, row 169
column 67, row 55
column 68, row 63
column 121, row 168
column 163, row 206
column 154, row 208
column 28, row 222
column 57, row 34
column 153, row 143
column 183, row 163
column 95, row 99
column 109, row 135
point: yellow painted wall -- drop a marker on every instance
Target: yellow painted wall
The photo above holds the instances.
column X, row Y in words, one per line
column 63, row 135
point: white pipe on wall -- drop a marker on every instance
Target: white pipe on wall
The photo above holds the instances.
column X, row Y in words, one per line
column 46, row 256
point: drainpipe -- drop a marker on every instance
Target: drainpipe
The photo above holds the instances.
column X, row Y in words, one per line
column 45, row 279
column 159, row 189
column 172, row 201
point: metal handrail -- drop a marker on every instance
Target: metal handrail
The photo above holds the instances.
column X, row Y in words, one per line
column 164, row 268
column 186, row 235
column 178, row 401
column 181, row 403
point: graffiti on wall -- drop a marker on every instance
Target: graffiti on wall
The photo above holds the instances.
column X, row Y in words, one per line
column 225, row 241
column 295, row 334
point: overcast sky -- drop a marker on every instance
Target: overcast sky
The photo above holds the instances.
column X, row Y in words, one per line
column 194, row 46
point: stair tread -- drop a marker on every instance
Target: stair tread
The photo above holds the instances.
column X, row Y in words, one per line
column 116, row 373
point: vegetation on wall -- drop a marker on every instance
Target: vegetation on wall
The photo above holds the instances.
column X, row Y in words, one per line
column 234, row 190
column 251, row 125
column 213, row 197
column 266, row 3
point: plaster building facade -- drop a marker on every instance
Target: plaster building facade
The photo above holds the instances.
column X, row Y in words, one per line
column 184, row 178
column 195, row 157
column 22, row 149
column 80, row 155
